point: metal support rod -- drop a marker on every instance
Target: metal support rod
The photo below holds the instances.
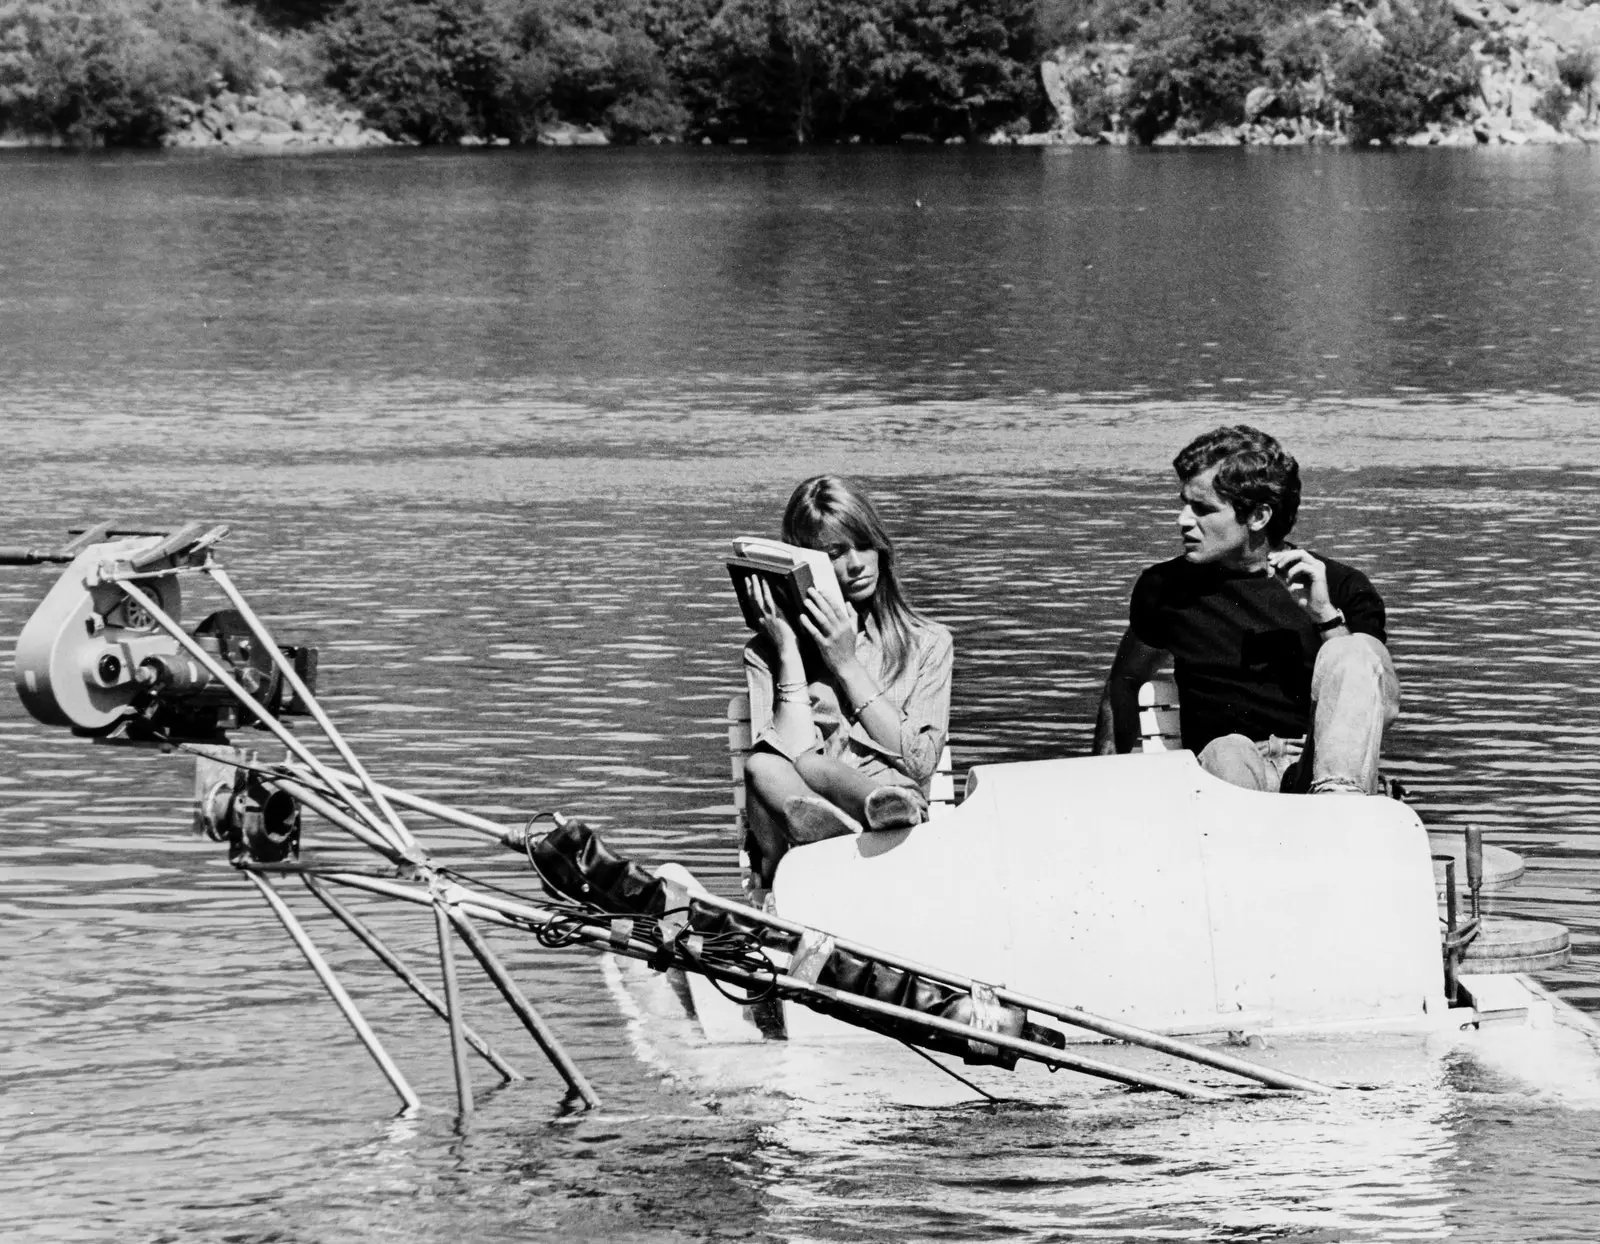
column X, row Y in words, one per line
column 396, row 965
column 330, row 982
column 1068, row 1014
column 286, row 668
column 1452, row 991
column 452, row 1002
column 1033, row 1049
column 284, row 736
column 338, row 817
column 1474, row 854
column 492, row 906
column 524, row 1009
column 440, row 811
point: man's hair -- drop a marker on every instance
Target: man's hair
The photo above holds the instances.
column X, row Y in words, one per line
column 1252, row 469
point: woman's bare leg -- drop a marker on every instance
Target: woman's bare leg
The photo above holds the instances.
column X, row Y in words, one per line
column 840, row 784
column 770, row 781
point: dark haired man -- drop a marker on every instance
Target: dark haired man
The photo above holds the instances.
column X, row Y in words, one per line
column 1284, row 679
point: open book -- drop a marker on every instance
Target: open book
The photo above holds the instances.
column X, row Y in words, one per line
column 789, row 571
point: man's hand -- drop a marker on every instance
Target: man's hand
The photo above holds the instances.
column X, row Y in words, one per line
column 1307, row 581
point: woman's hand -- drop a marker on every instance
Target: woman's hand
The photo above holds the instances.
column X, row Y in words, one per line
column 773, row 624
column 1307, row 581
column 833, row 628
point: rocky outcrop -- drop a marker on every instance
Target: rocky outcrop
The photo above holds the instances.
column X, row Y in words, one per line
column 1088, row 87
column 271, row 118
column 1531, row 59
column 1524, row 52
column 565, row 134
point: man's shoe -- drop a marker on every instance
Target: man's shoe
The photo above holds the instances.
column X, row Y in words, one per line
column 894, row 807
column 811, row 818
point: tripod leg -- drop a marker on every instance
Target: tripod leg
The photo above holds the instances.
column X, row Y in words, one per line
column 452, row 1002
column 330, row 982
column 524, row 1010
column 396, row 965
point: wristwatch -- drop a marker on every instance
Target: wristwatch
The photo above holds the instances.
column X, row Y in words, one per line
column 1332, row 624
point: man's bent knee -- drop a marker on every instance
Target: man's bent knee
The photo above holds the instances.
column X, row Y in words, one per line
column 1357, row 661
column 1234, row 759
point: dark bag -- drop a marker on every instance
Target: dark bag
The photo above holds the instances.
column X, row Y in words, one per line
column 575, row 864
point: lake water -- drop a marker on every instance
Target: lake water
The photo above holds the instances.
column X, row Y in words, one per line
column 482, row 424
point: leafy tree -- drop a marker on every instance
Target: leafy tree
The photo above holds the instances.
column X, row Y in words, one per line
column 759, row 69
column 822, row 70
column 100, row 71
column 1194, row 64
column 292, row 14
column 942, row 68
column 430, row 70
column 604, row 67
column 1069, row 23
column 1419, row 73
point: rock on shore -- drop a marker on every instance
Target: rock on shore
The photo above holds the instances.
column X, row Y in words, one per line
column 271, row 118
column 1516, row 44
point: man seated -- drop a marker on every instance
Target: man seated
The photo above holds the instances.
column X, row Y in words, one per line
column 1269, row 643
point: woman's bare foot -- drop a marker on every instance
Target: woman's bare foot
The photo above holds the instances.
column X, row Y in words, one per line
column 812, row 818
column 895, row 807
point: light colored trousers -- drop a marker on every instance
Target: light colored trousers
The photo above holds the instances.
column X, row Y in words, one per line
column 1354, row 697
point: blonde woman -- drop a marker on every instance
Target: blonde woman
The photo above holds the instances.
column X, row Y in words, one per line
column 850, row 738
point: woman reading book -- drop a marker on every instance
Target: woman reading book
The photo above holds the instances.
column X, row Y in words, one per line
column 850, row 714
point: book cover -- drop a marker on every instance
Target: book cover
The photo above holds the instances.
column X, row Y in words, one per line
column 789, row 571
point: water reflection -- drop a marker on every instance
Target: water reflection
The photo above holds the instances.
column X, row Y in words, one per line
column 1171, row 274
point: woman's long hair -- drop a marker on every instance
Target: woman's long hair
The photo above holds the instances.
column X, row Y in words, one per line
column 828, row 505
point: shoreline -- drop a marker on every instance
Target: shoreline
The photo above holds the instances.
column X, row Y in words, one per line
column 300, row 143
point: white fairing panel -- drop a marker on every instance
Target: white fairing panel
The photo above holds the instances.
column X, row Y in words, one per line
column 1141, row 888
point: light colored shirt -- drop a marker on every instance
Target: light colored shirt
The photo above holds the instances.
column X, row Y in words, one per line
column 920, row 693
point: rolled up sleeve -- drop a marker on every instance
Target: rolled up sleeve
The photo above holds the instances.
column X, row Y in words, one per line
column 925, row 711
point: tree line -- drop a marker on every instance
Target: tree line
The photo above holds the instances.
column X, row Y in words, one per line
column 433, row 71
column 767, row 71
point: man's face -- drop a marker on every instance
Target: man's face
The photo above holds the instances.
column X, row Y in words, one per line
column 1212, row 533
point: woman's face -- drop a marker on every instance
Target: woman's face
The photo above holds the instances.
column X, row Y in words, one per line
column 856, row 569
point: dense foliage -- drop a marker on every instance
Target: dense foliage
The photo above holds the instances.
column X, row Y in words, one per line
column 765, row 70
column 435, row 70
column 1196, row 62
column 96, row 71
column 1417, row 73
column 808, row 70
column 1372, row 72
column 776, row 71
column 440, row 70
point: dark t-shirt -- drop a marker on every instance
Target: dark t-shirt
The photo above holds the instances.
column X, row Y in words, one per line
column 1242, row 648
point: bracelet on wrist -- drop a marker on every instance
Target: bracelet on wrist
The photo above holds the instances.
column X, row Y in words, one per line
column 1332, row 624
column 855, row 714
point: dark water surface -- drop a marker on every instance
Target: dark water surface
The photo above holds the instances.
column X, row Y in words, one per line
column 483, row 425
